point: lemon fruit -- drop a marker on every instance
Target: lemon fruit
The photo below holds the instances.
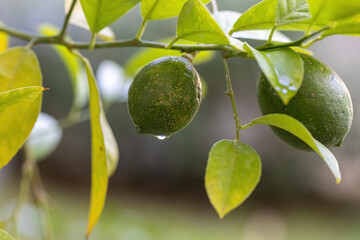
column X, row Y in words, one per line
column 164, row 96
column 323, row 104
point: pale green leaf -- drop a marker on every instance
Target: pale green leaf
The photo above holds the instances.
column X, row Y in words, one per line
column 78, row 19
column 227, row 19
column 263, row 16
column 101, row 13
column 5, row 236
column 146, row 55
column 326, row 11
column 104, row 152
column 289, row 11
column 196, row 24
column 44, row 137
column 232, row 173
column 348, row 26
column 4, row 41
column 162, row 9
column 19, row 68
column 296, row 128
column 18, row 95
column 73, row 66
column 283, row 68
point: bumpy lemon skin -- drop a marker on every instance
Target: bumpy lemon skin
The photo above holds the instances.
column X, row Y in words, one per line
column 164, row 96
column 323, row 104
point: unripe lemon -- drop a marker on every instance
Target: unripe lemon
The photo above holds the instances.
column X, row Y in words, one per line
column 322, row 104
column 164, row 96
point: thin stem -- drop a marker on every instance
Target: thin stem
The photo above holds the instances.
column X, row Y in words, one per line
column 229, row 92
column 141, row 30
column 67, row 18
column 291, row 44
column 271, row 34
column 213, row 6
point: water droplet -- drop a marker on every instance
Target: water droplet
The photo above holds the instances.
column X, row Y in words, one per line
column 162, row 137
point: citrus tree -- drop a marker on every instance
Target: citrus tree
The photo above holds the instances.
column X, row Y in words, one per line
column 303, row 100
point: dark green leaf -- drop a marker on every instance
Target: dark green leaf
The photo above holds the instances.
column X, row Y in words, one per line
column 296, row 128
column 101, row 13
column 232, row 173
column 19, row 68
column 289, row 11
column 162, row 9
column 196, row 24
column 283, row 68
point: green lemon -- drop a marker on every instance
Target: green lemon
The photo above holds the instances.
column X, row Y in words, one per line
column 164, row 96
column 323, row 104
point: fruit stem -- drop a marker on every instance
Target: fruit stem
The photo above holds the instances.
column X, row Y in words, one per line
column 67, row 19
column 229, row 92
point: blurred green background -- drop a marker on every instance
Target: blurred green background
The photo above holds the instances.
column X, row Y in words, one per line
column 158, row 190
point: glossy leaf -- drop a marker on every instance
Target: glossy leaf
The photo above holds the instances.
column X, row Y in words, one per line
column 283, row 68
column 104, row 151
column 227, row 19
column 232, row 173
column 196, row 24
column 296, row 128
column 73, row 66
column 289, row 11
column 5, row 236
column 4, row 41
column 263, row 16
column 326, row 11
column 78, row 19
column 146, row 55
column 19, row 68
column 101, row 13
column 18, row 95
column 162, row 9
column 44, row 137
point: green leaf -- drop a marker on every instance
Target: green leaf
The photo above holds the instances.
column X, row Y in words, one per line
column 4, row 41
column 146, row 55
column 73, row 66
column 18, row 95
column 227, row 19
column 283, row 68
column 196, row 24
column 104, row 150
column 19, row 68
column 101, row 13
column 232, row 173
column 5, row 236
column 326, row 11
column 296, row 128
column 78, row 19
column 348, row 26
column 289, row 11
column 263, row 16
column 162, row 9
